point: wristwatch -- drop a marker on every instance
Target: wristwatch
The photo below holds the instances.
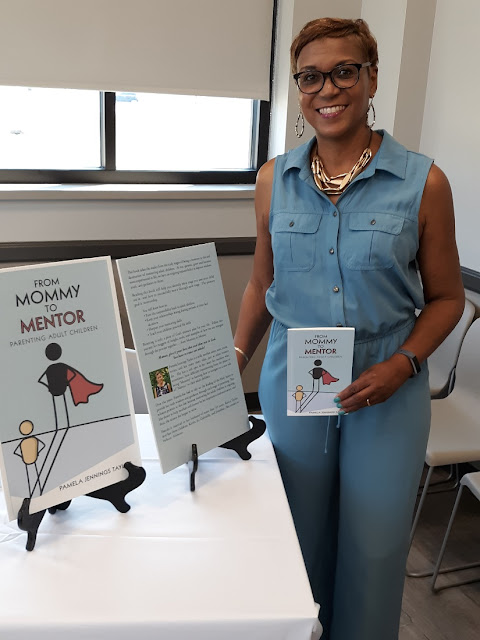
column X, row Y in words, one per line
column 413, row 361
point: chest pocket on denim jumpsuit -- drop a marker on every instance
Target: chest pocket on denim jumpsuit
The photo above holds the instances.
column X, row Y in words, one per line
column 294, row 240
column 371, row 240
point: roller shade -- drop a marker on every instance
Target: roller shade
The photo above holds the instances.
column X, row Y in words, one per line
column 195, row 47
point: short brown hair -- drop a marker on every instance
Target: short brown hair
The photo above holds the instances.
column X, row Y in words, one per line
column 335, row 28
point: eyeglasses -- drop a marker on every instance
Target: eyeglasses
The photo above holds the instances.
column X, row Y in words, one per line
column 345, row 76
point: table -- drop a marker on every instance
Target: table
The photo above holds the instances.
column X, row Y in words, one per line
column 222, row 563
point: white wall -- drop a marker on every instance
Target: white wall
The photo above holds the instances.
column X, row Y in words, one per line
column 451, row 123
column 412, row 81
column 387, row 22
column 44, row 220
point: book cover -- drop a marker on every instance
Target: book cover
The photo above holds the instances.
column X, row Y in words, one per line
column 183, row 339
column 319, row 366
column 67, row 417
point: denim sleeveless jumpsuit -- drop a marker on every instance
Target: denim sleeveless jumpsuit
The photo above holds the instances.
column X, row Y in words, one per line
column 351, row 489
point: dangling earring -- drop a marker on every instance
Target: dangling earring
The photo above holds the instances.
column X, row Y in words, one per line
column 299, row 124
column 370, row 125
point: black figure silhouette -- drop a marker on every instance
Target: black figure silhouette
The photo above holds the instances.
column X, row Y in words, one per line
column 60, row 376
column 318, row 373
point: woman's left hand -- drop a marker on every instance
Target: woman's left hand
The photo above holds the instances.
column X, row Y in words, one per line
column 376, row 384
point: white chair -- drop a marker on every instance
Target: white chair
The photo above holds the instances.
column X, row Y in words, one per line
column 455, row 429
column 441, row 366
column 139, row 400
column 472, row 481
column 442, row 362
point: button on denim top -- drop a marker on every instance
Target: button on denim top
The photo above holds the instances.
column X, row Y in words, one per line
column 353, row 263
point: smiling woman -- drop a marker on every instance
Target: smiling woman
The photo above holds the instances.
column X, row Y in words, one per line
column 336, row 80
column 342, row 222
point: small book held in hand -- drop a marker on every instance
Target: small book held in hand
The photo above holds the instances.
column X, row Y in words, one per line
column 319, row 366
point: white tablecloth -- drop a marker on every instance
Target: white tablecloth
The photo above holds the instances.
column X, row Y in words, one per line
column 222, row 563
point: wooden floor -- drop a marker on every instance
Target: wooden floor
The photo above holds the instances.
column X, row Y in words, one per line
column 452, row 614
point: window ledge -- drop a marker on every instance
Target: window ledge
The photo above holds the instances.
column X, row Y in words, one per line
column 125, row 192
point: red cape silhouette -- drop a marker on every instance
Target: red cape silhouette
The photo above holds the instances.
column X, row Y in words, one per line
column 327, row 378
column 81, row 388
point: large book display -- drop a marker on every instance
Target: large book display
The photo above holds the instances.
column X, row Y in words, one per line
column 68, row 425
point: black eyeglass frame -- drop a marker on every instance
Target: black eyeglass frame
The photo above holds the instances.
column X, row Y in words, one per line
column 328, row 74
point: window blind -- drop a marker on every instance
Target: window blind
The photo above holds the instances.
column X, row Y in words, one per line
column 195, row 47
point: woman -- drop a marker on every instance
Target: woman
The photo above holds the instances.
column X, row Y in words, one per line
column 341, row 248
column 162, row 387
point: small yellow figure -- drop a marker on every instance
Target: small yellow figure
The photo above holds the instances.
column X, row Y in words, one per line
column 28, row 451
column 299, row 396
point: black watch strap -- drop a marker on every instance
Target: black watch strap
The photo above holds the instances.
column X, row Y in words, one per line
column 413, row 361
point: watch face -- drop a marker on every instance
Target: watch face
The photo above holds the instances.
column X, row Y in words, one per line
column 415, row 364
column 413, row 361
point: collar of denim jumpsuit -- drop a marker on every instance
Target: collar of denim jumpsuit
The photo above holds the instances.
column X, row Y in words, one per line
column 391, row 157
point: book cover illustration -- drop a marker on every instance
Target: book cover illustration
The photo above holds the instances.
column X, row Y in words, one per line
column 319, row 366
column 67, row 426
column 182, row 335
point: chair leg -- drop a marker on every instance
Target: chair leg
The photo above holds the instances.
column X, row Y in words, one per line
column 433, row 484
column 453, row 473
column 437, row 569
column 420, row 504
column 420, row 574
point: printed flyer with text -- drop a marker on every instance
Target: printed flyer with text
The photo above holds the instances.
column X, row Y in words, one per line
column 184, row 344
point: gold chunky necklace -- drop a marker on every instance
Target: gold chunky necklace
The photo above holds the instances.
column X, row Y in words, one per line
column 335, row 185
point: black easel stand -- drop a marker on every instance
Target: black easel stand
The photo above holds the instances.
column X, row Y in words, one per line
column 29, row 522
column 59, row 507
column 194, row 462
column 238, row 444
column 114, row 493
column 241, row 442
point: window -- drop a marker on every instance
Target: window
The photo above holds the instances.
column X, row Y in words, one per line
column 49, row 129
column 74, row 136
